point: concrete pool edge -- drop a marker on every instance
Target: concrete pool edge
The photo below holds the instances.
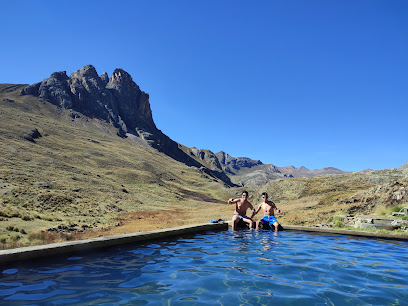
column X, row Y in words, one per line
column 38, row 251
column 356, row 233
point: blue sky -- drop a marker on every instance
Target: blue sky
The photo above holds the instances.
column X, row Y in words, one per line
column 306, row 83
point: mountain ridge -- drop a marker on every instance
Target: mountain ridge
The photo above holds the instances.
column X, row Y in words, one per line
column 120, row 101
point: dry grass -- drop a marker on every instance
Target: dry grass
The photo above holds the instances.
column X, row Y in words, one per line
column 80, row 180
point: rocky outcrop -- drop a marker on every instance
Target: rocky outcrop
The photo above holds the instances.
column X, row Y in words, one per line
column 31, row 134
column 403, row 167
column 116, row 99
column 55, row 89
column 209, row 160
column 233, row 164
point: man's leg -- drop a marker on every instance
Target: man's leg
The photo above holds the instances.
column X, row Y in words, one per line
column 249, row 221
column 234, row 222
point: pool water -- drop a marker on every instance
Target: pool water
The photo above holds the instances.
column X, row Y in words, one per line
column 219, row 268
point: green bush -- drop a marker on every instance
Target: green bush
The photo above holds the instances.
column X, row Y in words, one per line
column 396, row 208
column 16, row 237
column 27, row 218
column 339, row 224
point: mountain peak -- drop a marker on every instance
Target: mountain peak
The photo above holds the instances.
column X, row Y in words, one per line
column 120, row 76
column 104, row 78
column 87, row 70
column 60, row 75
column 117, row 100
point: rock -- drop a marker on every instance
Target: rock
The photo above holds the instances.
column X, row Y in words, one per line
column 8, row 100
column 45, row 184
column 404, row 166
column 117, row 100
column 378, row 226
column 114, row 208
column 105, row 78
column 32, row 134
column 236, row 163
column 121, row 133
column 367, row 225
column 55, row 90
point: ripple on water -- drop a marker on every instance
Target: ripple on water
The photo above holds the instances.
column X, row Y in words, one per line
column 246, row 267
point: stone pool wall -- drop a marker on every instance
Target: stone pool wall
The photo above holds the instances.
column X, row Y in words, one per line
column 33, row 252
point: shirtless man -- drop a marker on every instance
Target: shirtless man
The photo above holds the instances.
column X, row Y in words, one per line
column 241, row 206
column 269, row 213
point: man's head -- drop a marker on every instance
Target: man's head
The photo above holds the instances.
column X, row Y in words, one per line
column 245, row 194
column 264, row 195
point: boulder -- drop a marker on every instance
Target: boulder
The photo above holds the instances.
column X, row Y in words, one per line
column 31, row 134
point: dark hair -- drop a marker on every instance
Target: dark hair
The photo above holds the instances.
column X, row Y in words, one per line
column 264, row 194
column 246, row 192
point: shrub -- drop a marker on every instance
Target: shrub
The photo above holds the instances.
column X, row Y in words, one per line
column 396, row 208
column 15, row 238
column 339, row 224
column 27, row 218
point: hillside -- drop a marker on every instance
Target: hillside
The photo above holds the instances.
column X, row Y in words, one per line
column 314, row 200
column 82, row 157
column 80, row 178
column 117, row 100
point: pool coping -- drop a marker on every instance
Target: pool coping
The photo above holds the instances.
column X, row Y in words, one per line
column 33, row 252
column 356, row 233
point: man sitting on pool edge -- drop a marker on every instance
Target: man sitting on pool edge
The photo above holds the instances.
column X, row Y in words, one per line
column 269, row 219
column 241, row 206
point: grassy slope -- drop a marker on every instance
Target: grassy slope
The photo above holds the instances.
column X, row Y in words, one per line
column 101, row 184
column 99, row 181
column 308, row 201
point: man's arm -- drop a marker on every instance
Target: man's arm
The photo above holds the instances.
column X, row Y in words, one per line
column 254, row 212
column 277, row 209
column 233, row 201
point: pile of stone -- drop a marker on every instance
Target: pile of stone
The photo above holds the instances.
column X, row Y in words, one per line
column 373, row 222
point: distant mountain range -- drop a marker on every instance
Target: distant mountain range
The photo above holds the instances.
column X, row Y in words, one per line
column 118, row 99
column 245, row 171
